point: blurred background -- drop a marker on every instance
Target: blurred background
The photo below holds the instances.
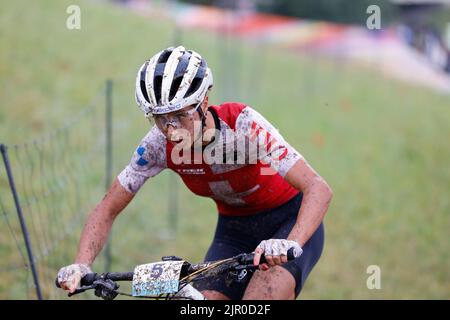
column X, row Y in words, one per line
column 361, row 91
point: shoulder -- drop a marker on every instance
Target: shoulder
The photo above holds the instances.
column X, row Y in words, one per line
column 152, row 148
column 154, row 136
column 147, row 161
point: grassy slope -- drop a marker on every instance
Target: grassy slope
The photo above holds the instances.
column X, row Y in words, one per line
column 380, row 144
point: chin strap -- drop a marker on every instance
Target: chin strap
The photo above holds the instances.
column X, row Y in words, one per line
column 202, row 116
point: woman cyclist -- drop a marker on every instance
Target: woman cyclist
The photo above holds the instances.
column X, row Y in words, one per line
column 268, row 197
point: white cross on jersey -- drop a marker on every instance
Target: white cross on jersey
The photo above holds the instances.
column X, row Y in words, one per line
column 223, row 191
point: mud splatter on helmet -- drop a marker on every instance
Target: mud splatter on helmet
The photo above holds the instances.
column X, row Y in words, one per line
column 172, row 79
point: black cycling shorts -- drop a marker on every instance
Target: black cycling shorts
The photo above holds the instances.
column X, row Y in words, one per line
column 242, row 234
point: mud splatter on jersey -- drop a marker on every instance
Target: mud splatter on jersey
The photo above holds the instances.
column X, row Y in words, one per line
column 148, row 160
column 248, row 179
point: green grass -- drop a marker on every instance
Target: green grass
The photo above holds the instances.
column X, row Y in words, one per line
column 382, row 146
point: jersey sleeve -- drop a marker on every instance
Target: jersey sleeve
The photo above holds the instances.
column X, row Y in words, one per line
column 264, row 142
column 148, row 160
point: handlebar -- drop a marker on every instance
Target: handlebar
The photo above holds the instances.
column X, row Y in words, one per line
column 107, row 280
column 90, row 278
column 243, row 259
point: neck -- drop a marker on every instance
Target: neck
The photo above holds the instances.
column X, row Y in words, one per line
column 209, row 124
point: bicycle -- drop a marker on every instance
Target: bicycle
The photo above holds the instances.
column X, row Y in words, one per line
column 169, row 279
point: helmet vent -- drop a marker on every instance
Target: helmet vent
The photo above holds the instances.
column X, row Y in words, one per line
column 174, row 87
column 157, row 83
column 194, row 86
column 164, row 56
column 198, row 79
column 142, row 82
column 179, row 73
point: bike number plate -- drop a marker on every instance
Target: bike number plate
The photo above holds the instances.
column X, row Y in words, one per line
column 157, row 278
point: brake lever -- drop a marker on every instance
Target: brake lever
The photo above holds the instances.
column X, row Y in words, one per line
column 106, row 289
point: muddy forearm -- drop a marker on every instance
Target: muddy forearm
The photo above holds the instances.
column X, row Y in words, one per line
column 94, row 236
column 98, row 225
column 315, row 203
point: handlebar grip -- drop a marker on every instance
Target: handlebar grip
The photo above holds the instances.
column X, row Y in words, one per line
column 85, row 281
column 291, row 255
column 88, row 279
column 247, row 259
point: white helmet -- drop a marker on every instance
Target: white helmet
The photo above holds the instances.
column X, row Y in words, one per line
column 171, row 80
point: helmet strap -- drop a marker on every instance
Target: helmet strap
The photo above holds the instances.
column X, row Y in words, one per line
column 202, row 117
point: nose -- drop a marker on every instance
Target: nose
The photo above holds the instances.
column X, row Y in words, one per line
column 170, row 129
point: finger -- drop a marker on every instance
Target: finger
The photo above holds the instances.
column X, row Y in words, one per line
column 270, row 261
column 264, row 267
column 72, row 287
column 283, row 258
column 63, row 285
column 257, row 256
column 74, row 283
column 276, row 260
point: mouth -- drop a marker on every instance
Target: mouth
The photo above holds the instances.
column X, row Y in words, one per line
column 178, row 138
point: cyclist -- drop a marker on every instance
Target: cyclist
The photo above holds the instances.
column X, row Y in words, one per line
column 269, row 199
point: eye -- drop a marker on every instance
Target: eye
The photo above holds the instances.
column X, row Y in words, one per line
column 182, row 115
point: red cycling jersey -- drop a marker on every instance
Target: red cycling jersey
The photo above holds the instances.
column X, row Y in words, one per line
column 243, row 169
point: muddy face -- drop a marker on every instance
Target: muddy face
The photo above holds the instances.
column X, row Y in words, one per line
column 181, row 126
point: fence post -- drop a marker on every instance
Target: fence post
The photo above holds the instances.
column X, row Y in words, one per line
column 108, row 161
column 177, row 39
column 23, row 226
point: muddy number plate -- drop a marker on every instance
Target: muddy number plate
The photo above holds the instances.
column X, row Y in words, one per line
column 156, row 278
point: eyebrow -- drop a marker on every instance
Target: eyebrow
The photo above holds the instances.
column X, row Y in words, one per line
column 183, row 111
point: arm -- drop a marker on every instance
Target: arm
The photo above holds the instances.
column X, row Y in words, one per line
column 291, row 165
column 94, row 235
column 99, row 222
column 147, row 161
column 317, row 196
column 316, row 199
